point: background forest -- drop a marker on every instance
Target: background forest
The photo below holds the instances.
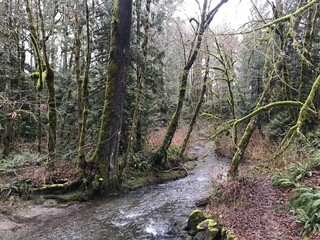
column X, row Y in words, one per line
column 260, row 79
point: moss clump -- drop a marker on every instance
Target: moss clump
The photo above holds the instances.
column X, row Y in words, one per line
column 208, row 228
column 195, row 217
column 207, row 224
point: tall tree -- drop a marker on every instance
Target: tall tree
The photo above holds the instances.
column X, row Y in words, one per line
column 198, row 107
column 85, row 98
column 206, row 18
column 46, row 73
column 135, row 130
column 277, row 73
column 102, row 168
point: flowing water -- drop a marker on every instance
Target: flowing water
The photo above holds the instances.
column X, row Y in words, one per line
column 154, row 212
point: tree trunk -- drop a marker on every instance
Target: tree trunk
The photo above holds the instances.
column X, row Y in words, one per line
column 136, row 123
column 227, row 67
column 52, row 106
column 277, row 71
column 206, row 18
column 85, row 97
column 103, row 166
column 197, row 110
column 307, row 68
column 78, row 31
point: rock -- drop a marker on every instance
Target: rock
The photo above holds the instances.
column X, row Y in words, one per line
column 199, row 236
column 195, row 217
column 203, row 227
column 209, row 228
column 189, row 238
column 202, row 202
column 190, row 165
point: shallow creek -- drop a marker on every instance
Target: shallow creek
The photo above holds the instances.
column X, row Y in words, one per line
column 154, row 212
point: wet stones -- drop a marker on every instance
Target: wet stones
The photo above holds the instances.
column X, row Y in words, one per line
column 203, row 227
column 202, row 202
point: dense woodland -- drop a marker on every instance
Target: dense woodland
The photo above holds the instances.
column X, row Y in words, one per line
column 84, row 83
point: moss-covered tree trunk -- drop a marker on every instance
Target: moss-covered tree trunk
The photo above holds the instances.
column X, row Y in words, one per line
column 8, row 130
column 227, row 70
column 102, row 169
column 278, row 69
column 307, row 68
column 141, row 74
column 47, row 75
column 52, row 106
column 37, row 75
column 251, row 126
column 85, row 97
column 77, row 33
column 8, row 81
column 52, row 116
column 197, row 110
column 206, row 18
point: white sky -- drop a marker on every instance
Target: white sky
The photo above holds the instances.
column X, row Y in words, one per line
column 234, row 13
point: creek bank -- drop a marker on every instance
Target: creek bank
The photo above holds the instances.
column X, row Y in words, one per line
column 254, row 201
column 136, row 180
column 149, row 213
column 203, row 226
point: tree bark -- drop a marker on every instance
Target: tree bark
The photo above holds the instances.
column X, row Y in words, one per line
column 77, row 55
column 141, row 74
column 52, row 106
column 103, row 166
column 85, row 97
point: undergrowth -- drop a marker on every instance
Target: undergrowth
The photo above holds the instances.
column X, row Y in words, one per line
column 20, row 188
column 306, row 199
column 19, row 160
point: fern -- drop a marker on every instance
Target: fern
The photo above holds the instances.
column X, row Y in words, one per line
column 307, row 207
column 299, row 170
column 282, row 181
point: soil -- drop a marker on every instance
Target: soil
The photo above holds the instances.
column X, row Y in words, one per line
column 256, row 210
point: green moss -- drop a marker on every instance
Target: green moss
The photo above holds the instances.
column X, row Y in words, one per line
column 209, row 227
column 40, row 81
column 195, row 218
column 207, row 224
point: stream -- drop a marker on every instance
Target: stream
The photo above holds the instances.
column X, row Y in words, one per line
column 153, row 212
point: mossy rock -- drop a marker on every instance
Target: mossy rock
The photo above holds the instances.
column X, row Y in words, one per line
column 207, row 224
column 210, row 229
column 195, row 217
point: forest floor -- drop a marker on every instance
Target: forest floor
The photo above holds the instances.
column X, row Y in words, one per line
column 250, row 205
column 26, row 171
